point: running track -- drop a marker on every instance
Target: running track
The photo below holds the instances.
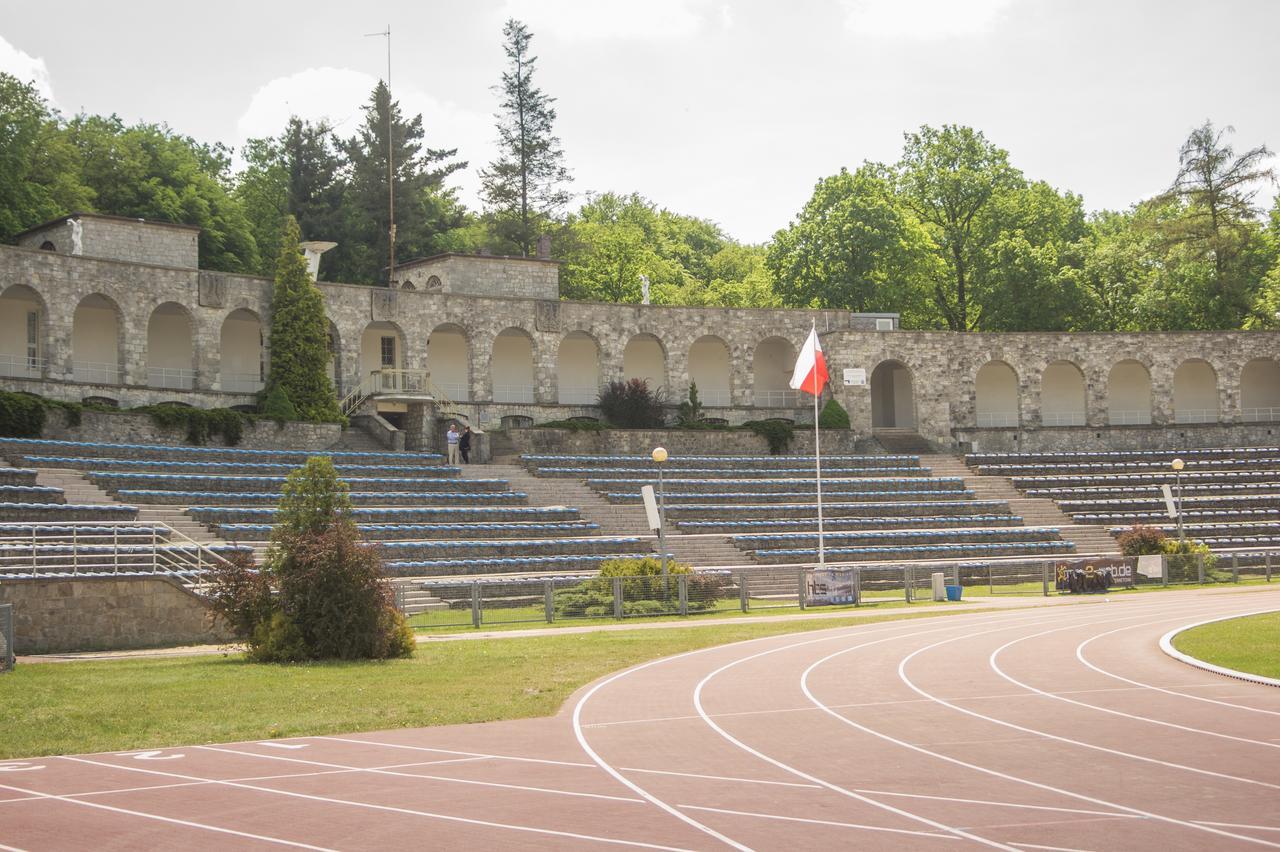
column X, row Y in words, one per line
column 1060, row 727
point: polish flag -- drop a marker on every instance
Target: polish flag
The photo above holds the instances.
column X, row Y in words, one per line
column 811, row 368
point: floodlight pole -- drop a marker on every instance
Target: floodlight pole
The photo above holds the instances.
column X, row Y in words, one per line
column 659, row 457
column 1177, row 476
column 391, row 173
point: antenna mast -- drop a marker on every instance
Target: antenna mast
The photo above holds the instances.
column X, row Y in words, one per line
column 391, row 172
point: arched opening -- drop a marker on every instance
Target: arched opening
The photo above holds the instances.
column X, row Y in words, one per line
column 893, row 404
column 511, row 366
column 1195, row 392
column 1129, row 394
column 1062, row 395
column 407, row 284
column 170, row 351
column 709, row 369
column 95, row 341
column 771, row 367
column 21, row 333
column 1260, row 391
column 48, row 245
column 382, row 351
column 644, row 358
column 996, row 395
column 433, row 282
column 241, row 367
column 578, row 369
column 449, row 360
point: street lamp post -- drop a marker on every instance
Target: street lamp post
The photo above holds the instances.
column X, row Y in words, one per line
column 1177, row 465
column 660, row 457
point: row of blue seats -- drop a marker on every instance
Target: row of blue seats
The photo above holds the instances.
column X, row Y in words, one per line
column 502, row 543
column 354, row 482
column 871, row 535
column 1190, row 529
column 373, row 511
column 1262, row 511
column 379, row 531
column 23, row 473
column 1187, row 488
column 407, row 496
column 1121, row 466
column 28, row 489
column 1241, row 541
column 1163, row 477
column 645, row 459
column 26, row 529
column 847, row 523
column 12, row 444
column 757, row 507
column 219, row 467
column 68, row 507
column 918, row 551
column 710, row 472
column 500, row 563
column 1259, row 500
column 759, row 496
column 895, row 483
column 1186, row 454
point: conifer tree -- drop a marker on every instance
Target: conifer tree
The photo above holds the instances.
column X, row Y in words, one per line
column 299, row 337
column 524, row 187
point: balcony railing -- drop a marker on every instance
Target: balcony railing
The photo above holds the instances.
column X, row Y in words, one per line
column 513, row 393
column 95, row 372
column 1062, row 418
column 456, row 391
column 1260, row 415
column 22, row 367
column 997, row 419
column 241, row 382
column 1196, row 415
column 778, row 399
column 714, row 397
column 174, row 378
column 1129, row 418
column 579, row 394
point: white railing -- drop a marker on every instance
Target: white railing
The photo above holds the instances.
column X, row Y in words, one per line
column 176, row 378
column 102, row 547
column 1062, row 418
column 1129, row 418
column 456, row 391
column 997, row 419
column 21, row 366
column 713, row 398
column 513, row 393
column 389, row 381
column 777, row 399
column 1260, row 415
column 1196, row 415
column 95, row 372
column 579, row 394
column 242, row 382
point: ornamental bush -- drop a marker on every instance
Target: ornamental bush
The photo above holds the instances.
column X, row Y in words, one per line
column 1141, row 540
column 644, row 592
column 632, row 405
column 777, row 432
column 833, row 416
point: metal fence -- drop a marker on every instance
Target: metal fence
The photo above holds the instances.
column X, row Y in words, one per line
column 6, row 637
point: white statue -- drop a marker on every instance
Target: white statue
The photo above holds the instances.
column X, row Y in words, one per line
column 77, row 235
column 644, row 289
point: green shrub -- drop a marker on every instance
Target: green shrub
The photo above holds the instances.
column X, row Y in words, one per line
column 275, row 405
column 644, row 590
column 833, row 416
column 201, row 424
column 777, row 432
column 277, row 639
column 23, row 415
column 631, row 405
column 574, row 425
column 1183, row 558
column 1141, row 540
column 689, row 413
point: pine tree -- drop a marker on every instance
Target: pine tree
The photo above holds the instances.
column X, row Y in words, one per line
column 524, row 187
column 299, row 337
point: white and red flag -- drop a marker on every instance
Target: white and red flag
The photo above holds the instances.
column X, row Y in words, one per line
column 811, row 368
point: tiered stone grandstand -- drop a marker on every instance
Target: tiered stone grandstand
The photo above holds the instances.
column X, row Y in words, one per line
column 1230, row 496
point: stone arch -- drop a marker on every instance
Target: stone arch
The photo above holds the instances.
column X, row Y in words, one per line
column 1062, row 395
column 97, row 345
column 171, row 356
column 1195, row 392
column 772, row 364
column 382, row 347
column 23, row 331
column 645, row 357
column 48, row 245
column 449, row 360
column 995, row 395
column 893, row 404
column 407, row 284
column 1260, row 391
column 578, row 369
column 433, row 282
column 242, row 366
column 511, row 366
column 709, row 366
column 1129, row 394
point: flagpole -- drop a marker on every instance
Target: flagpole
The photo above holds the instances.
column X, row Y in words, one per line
column 817, row 458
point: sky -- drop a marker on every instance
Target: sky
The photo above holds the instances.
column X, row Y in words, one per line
column 729, row 111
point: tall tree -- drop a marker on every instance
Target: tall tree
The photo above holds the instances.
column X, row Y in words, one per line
column 525, row 186
column 299, row 336
column 424, row 208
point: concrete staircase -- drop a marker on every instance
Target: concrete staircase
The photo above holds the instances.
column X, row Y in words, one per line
column 413, row 599
column 77, row 488
column 356, row 440
column 905, row 441
column 1034, row 511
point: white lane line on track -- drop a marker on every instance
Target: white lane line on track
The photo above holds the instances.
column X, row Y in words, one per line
column 370, row 806
column 407, row 747
column 804, row 685
column 1239, row 825
column 718, row 777
column 4, row 848
column 1049, row 848
column 170, row 820
column 992, row 661
column 419, row 777
column 582, row 702
column 991, row 803
column 938, row 835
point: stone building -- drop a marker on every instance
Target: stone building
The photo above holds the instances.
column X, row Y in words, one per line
column 105, row 308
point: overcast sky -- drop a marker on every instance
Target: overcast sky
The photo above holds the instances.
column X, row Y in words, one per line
column 726, row 110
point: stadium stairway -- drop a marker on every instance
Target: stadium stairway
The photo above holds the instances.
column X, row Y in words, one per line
column 356, row 440
column 700, row 551
column 1034, row 511
column 79, row 489
column 901, row 441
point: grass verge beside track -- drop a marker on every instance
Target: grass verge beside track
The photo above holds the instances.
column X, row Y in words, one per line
column 1250, row 644
column 117, row 705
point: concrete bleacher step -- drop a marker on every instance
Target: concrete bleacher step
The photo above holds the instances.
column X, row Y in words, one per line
column 356, row 440
column 614, row 519
column 899, row 440
column 75, row 487
column 1034, row 511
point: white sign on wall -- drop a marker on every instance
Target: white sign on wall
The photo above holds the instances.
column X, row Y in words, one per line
column 855, row 376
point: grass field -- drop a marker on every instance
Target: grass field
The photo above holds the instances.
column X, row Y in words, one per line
column 116, row 705
column 1250, row 644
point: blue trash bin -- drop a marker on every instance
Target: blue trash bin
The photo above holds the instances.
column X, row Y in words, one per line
column 953, row 592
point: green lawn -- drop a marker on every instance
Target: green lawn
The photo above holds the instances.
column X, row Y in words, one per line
column 116, row 705
column 1250, row 644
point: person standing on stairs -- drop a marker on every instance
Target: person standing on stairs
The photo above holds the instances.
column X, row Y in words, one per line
column 451, row 439
column 464, row 445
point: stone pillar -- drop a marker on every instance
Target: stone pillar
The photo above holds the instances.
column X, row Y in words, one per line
column 419, row 427
column 1095, row 395
column 1162, row 413
column 482, row 367
column 546, row 384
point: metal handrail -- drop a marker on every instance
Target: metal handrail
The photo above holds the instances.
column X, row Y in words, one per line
column 96, row 372
column 176, row 378
column 22, row 366
column 403, row 381
column 1139, row 417
column 1259, row 415
column 997, row 419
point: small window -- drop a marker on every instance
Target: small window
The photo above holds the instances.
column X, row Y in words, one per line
column 884, row 324
column 433, row 283
column 407, row 284
column 48, row 245
column 389, row 352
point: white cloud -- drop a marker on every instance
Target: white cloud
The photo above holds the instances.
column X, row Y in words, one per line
column 572, row 20
column 922, row 19
column 338, row 96
column 26, row 68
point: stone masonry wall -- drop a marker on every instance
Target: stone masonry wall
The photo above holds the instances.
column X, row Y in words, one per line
column 116, row 238
column 515, row 277
column 109, row 613
column 679, row 443
column 1084, row 438
column 125, row 428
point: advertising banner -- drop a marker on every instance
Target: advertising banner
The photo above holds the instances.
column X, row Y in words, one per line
column 1096, row 574
column 830, row 586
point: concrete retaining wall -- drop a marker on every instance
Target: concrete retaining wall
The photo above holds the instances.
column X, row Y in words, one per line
column 679, row 442
column 129, row 428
